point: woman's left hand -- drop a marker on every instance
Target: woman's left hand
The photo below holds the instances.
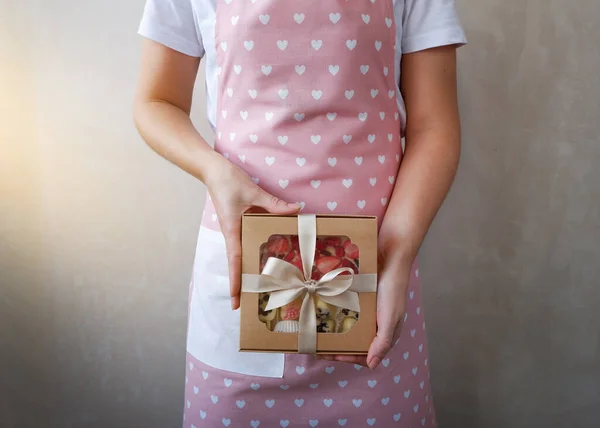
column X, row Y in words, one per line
column 393, row 277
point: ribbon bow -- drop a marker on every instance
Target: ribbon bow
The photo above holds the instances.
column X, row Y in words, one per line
column 286, row 283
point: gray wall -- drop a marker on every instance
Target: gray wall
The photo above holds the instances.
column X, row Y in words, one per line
column 97, row 233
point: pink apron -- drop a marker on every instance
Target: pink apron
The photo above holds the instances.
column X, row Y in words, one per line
column 307, row 101
column 307, row 106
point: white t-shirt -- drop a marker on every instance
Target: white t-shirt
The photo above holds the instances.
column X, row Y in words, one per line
column 188, row 26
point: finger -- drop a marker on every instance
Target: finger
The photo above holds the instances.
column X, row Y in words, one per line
column 384, row 340
column 352, row 359
column 273, row 204
column 380, row 346
column 326, row 357
column 232, row 233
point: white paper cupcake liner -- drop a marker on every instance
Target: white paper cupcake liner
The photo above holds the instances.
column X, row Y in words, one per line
column 287, row 327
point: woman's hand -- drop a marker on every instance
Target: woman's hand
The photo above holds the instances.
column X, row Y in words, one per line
column 233, row 193
column 391, row 306
column 394, row 273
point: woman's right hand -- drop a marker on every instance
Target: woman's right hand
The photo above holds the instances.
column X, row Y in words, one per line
column 233, row 193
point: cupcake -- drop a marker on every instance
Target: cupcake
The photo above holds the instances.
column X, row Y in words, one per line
column 289, row 314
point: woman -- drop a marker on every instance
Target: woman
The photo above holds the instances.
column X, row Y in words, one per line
column 310, row 101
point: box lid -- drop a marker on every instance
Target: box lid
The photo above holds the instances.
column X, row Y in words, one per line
column 318, row 215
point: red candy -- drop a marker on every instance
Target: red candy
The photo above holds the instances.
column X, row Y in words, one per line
column 331, row 252
column 289, row 257
column 291, row 311
column 334, row 241
column 279, row 245
column 293, row 257
column 348, row 264
column 295, row 243
column 320, row 245
column 327, row 263
column 352, row 251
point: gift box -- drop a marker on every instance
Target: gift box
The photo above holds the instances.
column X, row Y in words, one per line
column 309, row 284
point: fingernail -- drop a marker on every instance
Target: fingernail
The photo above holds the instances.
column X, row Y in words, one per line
column 374, row 363
column 293, row 205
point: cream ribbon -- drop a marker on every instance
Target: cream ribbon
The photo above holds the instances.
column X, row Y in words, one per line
column 286, row 283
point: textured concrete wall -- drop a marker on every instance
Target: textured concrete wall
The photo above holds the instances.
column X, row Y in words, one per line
column 511, row 268
column 97, row 233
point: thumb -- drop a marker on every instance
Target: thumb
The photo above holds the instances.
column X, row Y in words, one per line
column 387, row 328
column 380, row 346
column 275, row 205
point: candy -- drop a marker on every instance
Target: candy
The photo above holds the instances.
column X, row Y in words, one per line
column 328, row 263
column 263, row 314
column 294, row 258
column 351, row 251
column 348, row 264
column 295, row 243
column 264, row 258
column 324, row 310
column 331, row 252
column 291, row 311
column 334, row 241
column 325, row 326
column 289, row 314
column 349, row 313
column 289, row 257
column 348, row 323
column 320, row 244
column 279, row 244
column 346, row 242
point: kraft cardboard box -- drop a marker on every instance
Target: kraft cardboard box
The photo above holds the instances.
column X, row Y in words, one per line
column 342, row 243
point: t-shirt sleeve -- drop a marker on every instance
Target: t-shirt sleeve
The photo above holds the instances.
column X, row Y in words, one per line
column 172, row 23
column 430, row 23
